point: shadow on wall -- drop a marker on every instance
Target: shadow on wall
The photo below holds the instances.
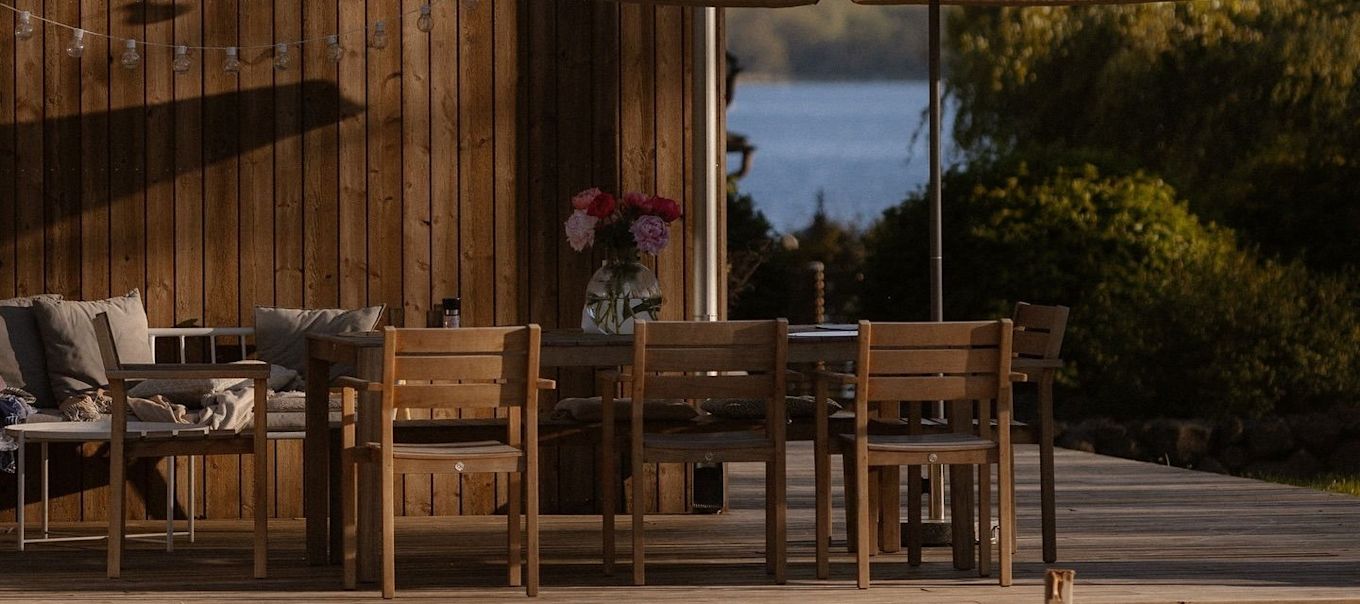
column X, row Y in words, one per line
column 321, row 99
column 149, row 12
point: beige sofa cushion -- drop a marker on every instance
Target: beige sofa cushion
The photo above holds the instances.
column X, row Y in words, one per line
column 281, row 333
column 67, row 327
column 23, row 362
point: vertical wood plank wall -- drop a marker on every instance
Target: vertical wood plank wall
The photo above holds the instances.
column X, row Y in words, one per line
column 439, row 166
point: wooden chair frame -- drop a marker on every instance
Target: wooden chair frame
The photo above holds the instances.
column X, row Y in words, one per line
column 1039, row 332
column 921, row 363
column 191, row 441
column 697, row 360
column 493, row 367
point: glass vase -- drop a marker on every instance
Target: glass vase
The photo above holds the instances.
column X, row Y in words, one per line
column 620, row 293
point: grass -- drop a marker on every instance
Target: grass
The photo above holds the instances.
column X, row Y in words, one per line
column 1332, row 483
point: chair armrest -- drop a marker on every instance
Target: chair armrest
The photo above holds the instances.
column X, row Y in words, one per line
column 354, row 383
column 547, row 384
column 1024, row 364
column 837, row 378
column 256, row 371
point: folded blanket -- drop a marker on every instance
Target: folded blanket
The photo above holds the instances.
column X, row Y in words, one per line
column 15, row 407
column 230, row 410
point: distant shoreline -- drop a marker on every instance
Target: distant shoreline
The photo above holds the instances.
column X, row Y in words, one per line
column 758, row 78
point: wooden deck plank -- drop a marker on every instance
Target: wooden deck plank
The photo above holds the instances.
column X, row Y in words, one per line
column 1134, row 532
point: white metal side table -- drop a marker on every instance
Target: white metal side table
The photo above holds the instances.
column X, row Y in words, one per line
column 92, row 432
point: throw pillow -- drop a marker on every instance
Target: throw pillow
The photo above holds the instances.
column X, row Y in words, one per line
column 23, row 363
column 591, row 410
column 281, row 333
column 72, row 349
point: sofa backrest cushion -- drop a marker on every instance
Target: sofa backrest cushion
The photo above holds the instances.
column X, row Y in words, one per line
column 281, row 333
column 67, row 326
column 23, row 363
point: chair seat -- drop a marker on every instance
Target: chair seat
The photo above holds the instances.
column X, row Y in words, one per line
column 921, row 443
column 479, row 450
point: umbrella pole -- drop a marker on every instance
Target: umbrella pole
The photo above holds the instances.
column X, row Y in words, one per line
column 936, row 246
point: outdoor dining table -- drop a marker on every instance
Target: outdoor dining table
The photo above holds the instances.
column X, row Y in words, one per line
column 361, row 353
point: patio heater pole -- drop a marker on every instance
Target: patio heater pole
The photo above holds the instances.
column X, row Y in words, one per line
column 936, row 247
column 708, row 161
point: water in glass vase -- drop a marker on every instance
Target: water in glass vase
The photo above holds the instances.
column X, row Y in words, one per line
column 620, row 293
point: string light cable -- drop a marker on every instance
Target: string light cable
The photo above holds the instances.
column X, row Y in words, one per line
column 24, row 30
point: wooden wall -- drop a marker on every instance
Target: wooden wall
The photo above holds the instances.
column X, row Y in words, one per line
column 439, row 166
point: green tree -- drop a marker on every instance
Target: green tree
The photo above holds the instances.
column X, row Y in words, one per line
column 1169, row 316
column 1250, row 108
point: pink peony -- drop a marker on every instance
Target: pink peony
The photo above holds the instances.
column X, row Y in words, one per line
column 581, row 230
column 650, row 234
column 582, row 200
column 634, row 200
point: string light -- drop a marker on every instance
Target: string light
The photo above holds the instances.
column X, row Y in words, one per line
column 333, row 49
column 380, row 35
column 182, row 62
column 24, row 29
column 281, row 58
column 130, row 58
column 76, row 48
column 426, row 21
column 232, row 64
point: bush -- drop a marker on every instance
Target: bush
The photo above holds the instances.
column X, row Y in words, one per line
column 1170, row 317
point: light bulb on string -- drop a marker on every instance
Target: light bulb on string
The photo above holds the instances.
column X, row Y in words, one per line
column 281, row 58
column 131, row 59
column 232, row 64
column 333, row 48
column 380, row 35
column 182, row 62
column 426, row 21
column 23, row 30
column 76, row 48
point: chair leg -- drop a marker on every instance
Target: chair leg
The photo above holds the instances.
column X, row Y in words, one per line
column 1014, row 542
column 851, row 502
column 639, row 511
column 117, row 520
column 863, row 533
column 770, row 562
column 349, row 512
column 914, row 528
column 512, row 529
column 890, row 509
column 387, row 491
column 609, row 458
column 1006, row 495
column 261, row 485
column 780, row 521
column 961, row 511
column 1048, row 502
column 531, row 528
column 984, row 508
column 823, row 484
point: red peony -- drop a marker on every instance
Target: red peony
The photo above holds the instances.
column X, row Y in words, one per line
column 666, row 209
column 635, row 200
column 602, row 206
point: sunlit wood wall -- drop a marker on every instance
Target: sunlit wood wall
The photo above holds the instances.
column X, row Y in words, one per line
column 436, row 167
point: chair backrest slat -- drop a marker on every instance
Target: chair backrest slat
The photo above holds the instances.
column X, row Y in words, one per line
column 1039, row 330
column 934, row 361
column 108, row 348
column 460, row 368
column 754, row 357
column 697, row 360
column 698, row 387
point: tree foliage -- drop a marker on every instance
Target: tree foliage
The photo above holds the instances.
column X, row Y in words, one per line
column 1250, row 108
column 1169, row 316
column 830, row 41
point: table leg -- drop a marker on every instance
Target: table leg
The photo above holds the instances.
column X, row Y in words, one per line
column 192, row 511
column 370, row 511
column 46, row 511
column 316, row 461
column 19, row 503
column 170, row 506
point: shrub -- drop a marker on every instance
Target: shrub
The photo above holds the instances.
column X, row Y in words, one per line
column 1170, row 317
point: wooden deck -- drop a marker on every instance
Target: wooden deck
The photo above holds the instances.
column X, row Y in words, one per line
column 1134, row 532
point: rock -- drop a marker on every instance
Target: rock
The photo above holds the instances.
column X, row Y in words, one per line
column 1181, row 442
column 1269, row 438
column 1229, row 432
column 1234, row 457
column 1112, row 438
column 1317, row 432
column 1346, row 458
column 1209, row 464
column 1076, row 437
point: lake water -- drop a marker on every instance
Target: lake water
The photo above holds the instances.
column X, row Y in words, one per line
column 850, row 140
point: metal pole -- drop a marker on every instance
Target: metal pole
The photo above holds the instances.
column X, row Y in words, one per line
column 708, row 161
column 936, row 231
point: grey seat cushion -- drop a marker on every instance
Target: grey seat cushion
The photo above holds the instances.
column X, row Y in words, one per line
column 23, row 362
column 281, row 333
column 73, row 360
column 286, row 412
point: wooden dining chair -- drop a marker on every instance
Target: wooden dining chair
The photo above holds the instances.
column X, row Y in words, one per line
column 125, row 446
column 446, row 369
column 918, row 364
column 700, row 360
column 1038, row 342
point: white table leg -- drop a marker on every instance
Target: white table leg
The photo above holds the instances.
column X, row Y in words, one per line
column 193, row 500
column 170, row 506
column 19, row 507
column 46, row 511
